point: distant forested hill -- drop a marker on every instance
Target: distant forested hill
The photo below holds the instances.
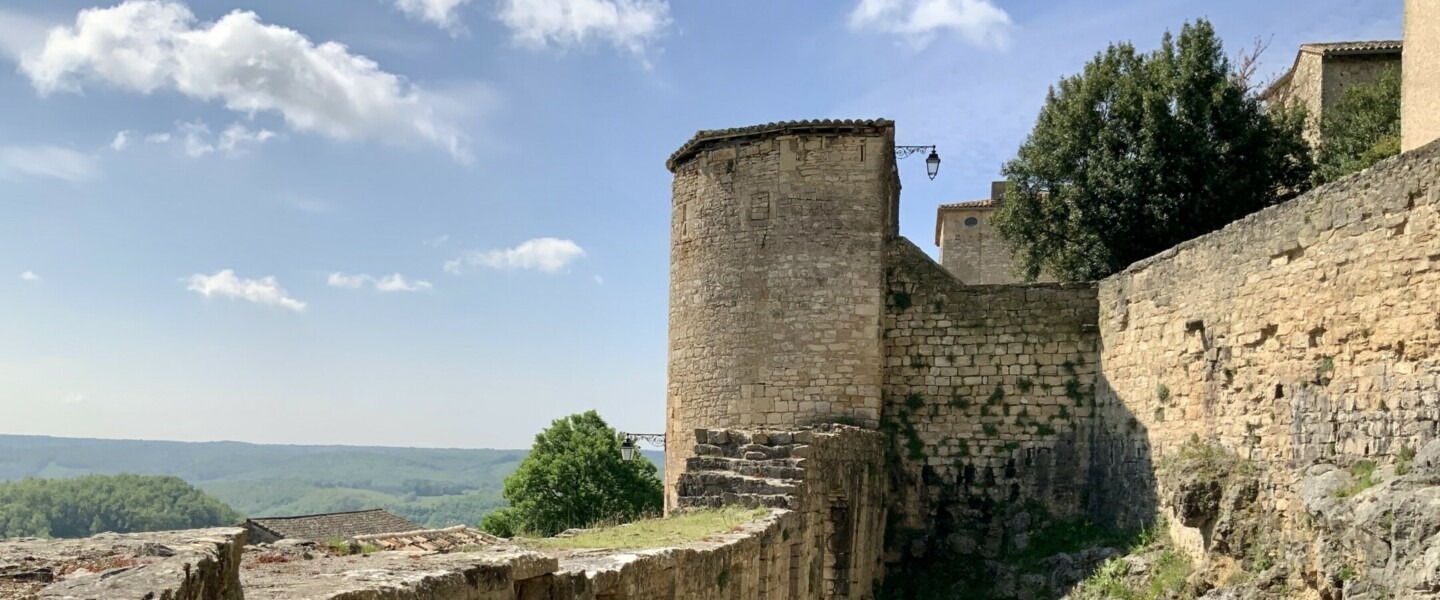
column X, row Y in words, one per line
column 68, row 508
column 433, row 487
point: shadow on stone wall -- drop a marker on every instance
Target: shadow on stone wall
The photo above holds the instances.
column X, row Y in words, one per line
column 1003, row 439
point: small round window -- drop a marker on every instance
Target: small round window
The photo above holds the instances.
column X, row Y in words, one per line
column 971, row 222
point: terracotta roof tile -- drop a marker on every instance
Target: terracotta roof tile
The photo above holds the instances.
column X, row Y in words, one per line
column 713, row 136
column 1330, row 48
column 345, row 525
column 431, row 540
column 985, row 203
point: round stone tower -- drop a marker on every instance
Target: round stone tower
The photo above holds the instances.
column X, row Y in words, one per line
column 777, row 278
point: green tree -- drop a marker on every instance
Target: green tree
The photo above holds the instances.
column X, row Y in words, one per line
column 574, row 477
column 68, row 508
column 1361, row 128
column 1141, row 151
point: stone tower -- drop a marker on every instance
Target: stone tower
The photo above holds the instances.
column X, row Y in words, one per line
column 777, row 273
column 1420, row 89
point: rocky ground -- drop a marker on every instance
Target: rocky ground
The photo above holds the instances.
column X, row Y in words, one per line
column 1367, row 532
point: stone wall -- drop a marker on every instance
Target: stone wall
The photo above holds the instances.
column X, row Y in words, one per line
column 776, row 278
column 988, row 393
column 1420, row 92
column 202, row 564
column 1307, row 331
column 834, row 481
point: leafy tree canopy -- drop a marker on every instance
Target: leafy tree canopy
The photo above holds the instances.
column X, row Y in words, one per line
column 1361, row 128
column 574, row 477
column 70, row 508
column 1141, row 151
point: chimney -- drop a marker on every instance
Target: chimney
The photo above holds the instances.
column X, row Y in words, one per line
column 997, row 190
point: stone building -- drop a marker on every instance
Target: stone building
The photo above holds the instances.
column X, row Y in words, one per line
column 970, row 249
column 1420, row 93
column 1323, row 71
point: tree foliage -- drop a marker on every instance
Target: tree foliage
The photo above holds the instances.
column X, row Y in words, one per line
column 70, row 508
column 574, row 477
column 1361, row 128
column 1141, row 151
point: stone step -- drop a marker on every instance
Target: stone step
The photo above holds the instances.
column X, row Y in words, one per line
column 753, row 451
column 743, row 500
column 778, row 468
column 710, row 483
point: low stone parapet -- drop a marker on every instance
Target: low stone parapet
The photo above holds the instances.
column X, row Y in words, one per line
column 202, row 564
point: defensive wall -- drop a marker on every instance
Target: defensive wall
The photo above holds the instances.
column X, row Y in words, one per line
column 989, row 392
column 1307, row 331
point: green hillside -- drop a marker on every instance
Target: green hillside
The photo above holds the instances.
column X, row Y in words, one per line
column 92, row 504
column 431, row 486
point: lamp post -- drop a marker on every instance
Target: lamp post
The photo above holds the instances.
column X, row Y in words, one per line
column 932, row 162
column 631, row 443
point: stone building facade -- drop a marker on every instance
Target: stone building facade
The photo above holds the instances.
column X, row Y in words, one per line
column 970, row 248
column 1322, row 72
column 1420, row 93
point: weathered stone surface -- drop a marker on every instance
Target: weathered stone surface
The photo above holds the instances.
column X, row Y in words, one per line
column 180, row 565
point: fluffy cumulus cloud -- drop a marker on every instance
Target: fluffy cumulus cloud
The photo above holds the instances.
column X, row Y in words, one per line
column 626, row 24
column 149, row 46
column 442, row 13
column 547, row 255
column 979, row 22
column 389, row 283
column 225, row 284
column 51, row 162
column 29, row 276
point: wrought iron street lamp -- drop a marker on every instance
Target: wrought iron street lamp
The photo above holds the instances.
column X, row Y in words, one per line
column 932, row 162
column 631, row 443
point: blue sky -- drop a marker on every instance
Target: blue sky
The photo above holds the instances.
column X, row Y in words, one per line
column 445, row 222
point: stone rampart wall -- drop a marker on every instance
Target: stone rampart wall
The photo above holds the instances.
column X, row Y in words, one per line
column 988, row 391
column 833, row 480
column 1303, row 332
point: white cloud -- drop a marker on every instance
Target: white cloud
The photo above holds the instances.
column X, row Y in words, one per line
column 225, row 284
column 599, row 280
column 437, row 241
column 121, row 141
column 46, row 161
column 388, row 283
column 542, row 254
column 437, row 12
column 29, row 276
column 74, row 399
column 979, row 22
column 149, row 46
column 627, row 24
column 196, row 139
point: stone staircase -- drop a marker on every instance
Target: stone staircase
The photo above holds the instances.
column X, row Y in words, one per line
column 741, row 468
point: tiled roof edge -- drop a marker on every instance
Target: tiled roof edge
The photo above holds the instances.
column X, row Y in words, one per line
column 706, row 137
